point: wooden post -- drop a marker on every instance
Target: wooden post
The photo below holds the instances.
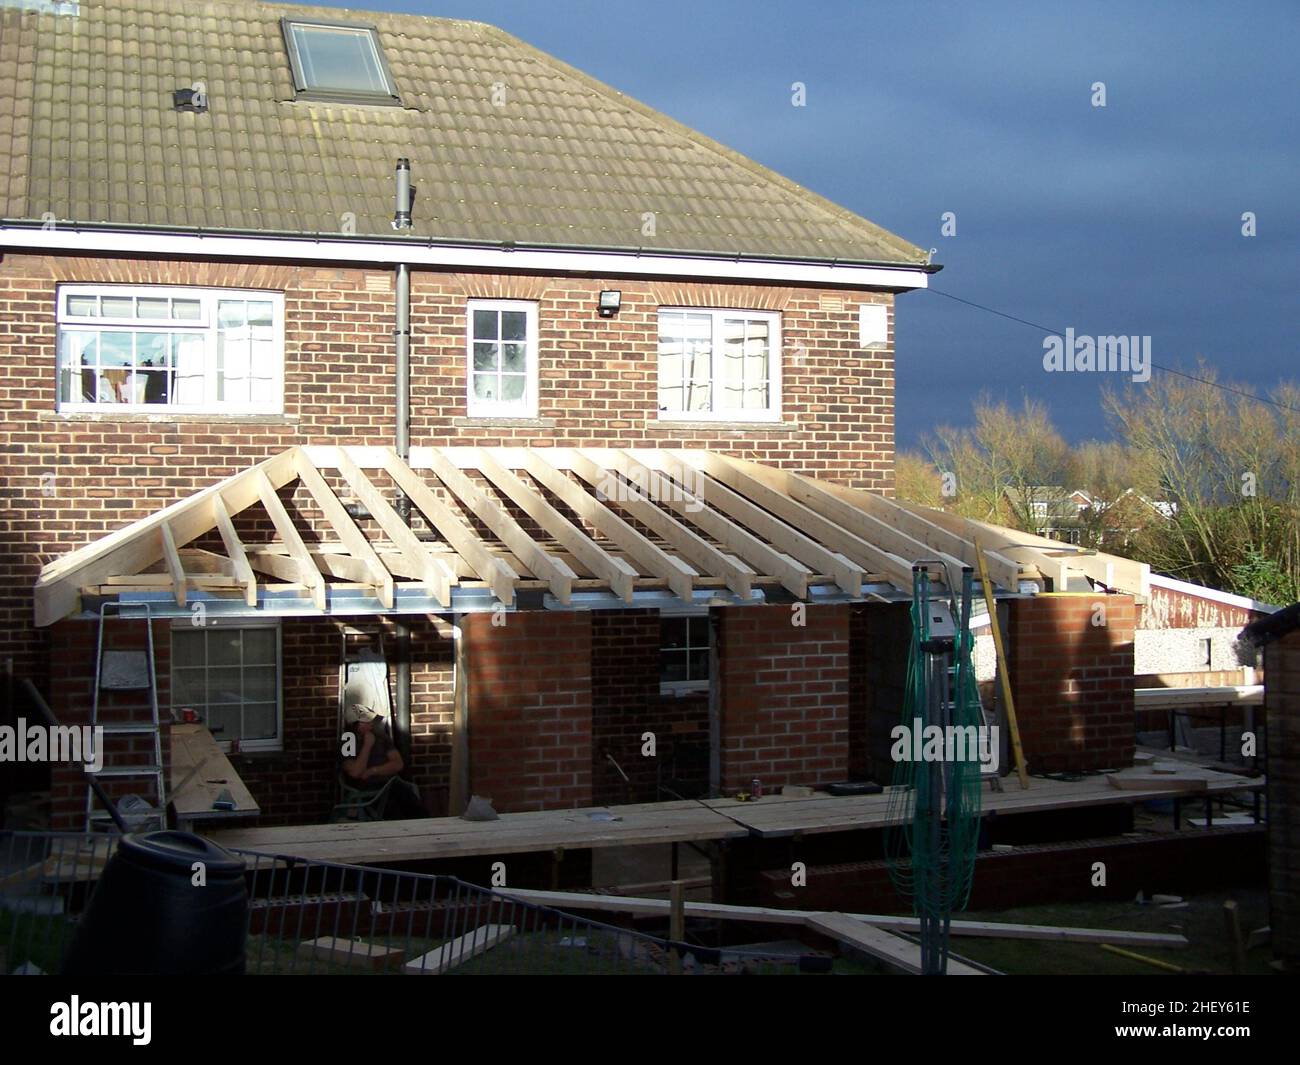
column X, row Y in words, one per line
column 676, row 922
column 1232, row 921
column 458, row 789
column 1022, row 770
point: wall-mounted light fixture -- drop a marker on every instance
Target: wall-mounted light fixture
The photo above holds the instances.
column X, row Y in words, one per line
column 610, row 301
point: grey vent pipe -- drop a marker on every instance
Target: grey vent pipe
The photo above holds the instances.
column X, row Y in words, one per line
column 402, row 345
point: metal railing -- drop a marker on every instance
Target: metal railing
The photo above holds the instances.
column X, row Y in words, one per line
column 315, row 917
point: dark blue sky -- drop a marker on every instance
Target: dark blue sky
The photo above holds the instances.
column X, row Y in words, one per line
column 1117, row 220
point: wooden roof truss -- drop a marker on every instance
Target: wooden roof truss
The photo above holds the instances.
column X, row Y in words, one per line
column 487, row 524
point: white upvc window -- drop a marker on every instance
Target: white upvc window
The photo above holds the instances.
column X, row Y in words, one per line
column 131, row 349
column 721, row 365
column 501, row 359
column 228, row 672
column 683, row 653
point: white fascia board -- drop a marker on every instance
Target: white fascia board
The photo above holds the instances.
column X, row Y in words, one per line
column 451, row 256
column 1212, row 594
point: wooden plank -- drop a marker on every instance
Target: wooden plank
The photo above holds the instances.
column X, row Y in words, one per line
column 1006, row 542
column 616, row 573
column 199, row 772
column 685, row 541
column 344, row 527
column 136, row 547
column 499, row 576
column 234, row 549
column 530, row 554
column 420, row 563
column 173, row 559
column 1156, row 782
column 646, row 555
column 894, row 951
column 351, row 953
column 847, row 574
column 1230, row 695
column 644, row 907
column 279, row 563
column 769, row 561
column 848, row 515
column 1022, row 769
column 732, row 473
column 1004, row 571
column 308, row 574
column 459, row 950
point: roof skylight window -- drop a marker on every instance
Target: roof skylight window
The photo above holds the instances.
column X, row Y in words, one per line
column 338, row 61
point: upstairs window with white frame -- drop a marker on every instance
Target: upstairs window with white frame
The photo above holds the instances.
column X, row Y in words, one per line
column 126, row 349
column 501, row 369
column 719, row 364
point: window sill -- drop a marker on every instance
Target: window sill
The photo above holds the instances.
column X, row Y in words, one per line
column 685, row 691
column 162, row 417
column 262, row 754
column 527, row 421
column 704, row 425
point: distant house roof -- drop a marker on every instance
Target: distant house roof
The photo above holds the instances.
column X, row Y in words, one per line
column 507, row 144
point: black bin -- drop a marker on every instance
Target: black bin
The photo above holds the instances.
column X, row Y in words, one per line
column 148, row 917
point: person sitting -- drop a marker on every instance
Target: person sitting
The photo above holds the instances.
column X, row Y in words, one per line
column 376, row 759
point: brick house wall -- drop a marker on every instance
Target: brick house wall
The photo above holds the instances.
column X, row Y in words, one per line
column 1072, row 681
column 784, row 697
column 67, row 479
column 1282, row 707
column 530, row 709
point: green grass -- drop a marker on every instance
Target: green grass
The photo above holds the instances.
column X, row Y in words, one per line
column 1201, row 922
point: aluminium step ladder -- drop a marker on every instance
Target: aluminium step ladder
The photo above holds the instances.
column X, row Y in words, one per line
column 129, row 670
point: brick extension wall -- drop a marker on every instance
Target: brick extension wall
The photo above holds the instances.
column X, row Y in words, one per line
column 530, row 709
column 1282, row 706
column 598, row 387
column 879, row 646
column 297, row 784
column 785, row 691
column 1072, row 681
column 626, row 703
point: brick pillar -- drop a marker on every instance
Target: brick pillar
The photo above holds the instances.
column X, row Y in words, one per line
column 785, row 691
column 530, row 709
column 880, row 638
column 1282, row 706
column 1072, row 680
column 72, row 682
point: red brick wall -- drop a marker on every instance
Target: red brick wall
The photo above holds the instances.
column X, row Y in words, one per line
column 879, row 646
column 597, row 376
column 625, row 704
column 1282, row 706
column 530, row 709
column 1072, row 681
column 297, row 784
column 785, row 716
